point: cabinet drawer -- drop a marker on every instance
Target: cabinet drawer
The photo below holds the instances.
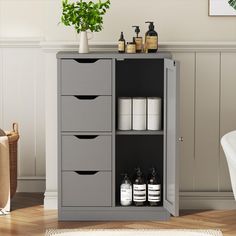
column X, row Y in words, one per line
column 86, row 152
column 86, row 189
column 85, row 76
column 86, row 113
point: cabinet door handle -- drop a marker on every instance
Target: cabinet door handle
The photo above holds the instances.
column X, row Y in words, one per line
column 181, row 139
column 86, row 136
column 86, row 60
column 86, row 172
column 86, row 97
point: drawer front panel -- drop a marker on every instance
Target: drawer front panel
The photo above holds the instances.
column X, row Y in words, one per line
column 86, row 152
column 84, row 77
column 86, row 114
column 86, row 189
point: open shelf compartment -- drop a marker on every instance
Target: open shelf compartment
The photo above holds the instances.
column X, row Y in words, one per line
column 144, row 149
column 138, row 151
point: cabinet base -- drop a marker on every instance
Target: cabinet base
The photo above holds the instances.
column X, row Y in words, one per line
column 114, row 214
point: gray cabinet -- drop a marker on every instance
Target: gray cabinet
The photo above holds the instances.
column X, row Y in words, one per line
column 92, row 153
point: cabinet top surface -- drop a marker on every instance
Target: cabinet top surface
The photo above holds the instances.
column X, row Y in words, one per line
column 112, row 55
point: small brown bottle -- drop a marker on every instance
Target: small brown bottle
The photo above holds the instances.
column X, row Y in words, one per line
column 121, row 43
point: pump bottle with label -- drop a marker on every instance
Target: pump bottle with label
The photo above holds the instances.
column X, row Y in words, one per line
column 138, row 40
column 151, row 39
column 126, row 191
column 154, row 189
column 139, row 189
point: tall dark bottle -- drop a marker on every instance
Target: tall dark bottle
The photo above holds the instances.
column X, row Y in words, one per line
column 121, row 43
column 139, row 189
column 154, row 189
column 151, row 39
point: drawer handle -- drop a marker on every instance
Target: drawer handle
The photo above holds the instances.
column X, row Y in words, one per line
column 86, row 97
column 86, row 60
column 86, row 136
column 86, row 172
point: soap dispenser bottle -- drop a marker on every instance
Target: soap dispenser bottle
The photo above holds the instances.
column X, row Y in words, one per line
column 138, row 40
column 151, row 39
column 126, row 191
column 121, row 43
column 139, row 189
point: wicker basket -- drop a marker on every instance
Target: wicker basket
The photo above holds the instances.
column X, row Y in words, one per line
column 13, row 137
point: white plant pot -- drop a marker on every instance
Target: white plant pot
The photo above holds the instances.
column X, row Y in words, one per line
column 83, row 45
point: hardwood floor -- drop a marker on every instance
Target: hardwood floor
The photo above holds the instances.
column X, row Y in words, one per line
column 29, row 218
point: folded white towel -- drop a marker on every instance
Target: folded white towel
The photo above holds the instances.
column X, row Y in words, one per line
column 4, row 176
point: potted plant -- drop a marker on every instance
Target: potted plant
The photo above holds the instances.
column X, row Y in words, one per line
column 84, row 16
column 232, row 3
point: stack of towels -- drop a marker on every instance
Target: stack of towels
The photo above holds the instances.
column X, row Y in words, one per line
column 4, row 174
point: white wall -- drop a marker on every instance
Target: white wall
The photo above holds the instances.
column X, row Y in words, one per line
column 23, row 101
column 176, row 20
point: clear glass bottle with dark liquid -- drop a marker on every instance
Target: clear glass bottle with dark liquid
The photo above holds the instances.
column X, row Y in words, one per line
column 139, row 189
column 154, row 189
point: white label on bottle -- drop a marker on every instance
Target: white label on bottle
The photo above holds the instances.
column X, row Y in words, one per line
column 126, row 194
column 139, row 192
column 154, row 192
column 154, row 199
column 154, row 187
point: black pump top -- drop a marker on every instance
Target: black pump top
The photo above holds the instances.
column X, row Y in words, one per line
column 137, row 29
column 153, row 171
column 139, row 172
column 151, row 25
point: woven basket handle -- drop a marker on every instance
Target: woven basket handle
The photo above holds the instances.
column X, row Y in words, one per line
column 15, row 127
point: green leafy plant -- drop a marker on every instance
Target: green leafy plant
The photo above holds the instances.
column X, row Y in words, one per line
column 232, row 3
column 84, row 15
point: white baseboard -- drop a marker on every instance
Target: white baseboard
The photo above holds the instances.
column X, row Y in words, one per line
column 31, row 184
column 50, row 200
column 207, row 200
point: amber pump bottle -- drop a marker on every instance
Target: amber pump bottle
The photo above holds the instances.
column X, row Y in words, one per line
column 151, row 39
column 138, row 40
column 121, row 43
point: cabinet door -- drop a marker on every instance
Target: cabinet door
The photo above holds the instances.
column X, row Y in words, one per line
column 171, row 149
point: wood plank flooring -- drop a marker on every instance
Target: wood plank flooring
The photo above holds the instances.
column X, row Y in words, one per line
column 29, row 218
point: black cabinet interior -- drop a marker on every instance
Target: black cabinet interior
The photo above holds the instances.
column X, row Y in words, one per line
column 138, row 78
column 134, row 151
